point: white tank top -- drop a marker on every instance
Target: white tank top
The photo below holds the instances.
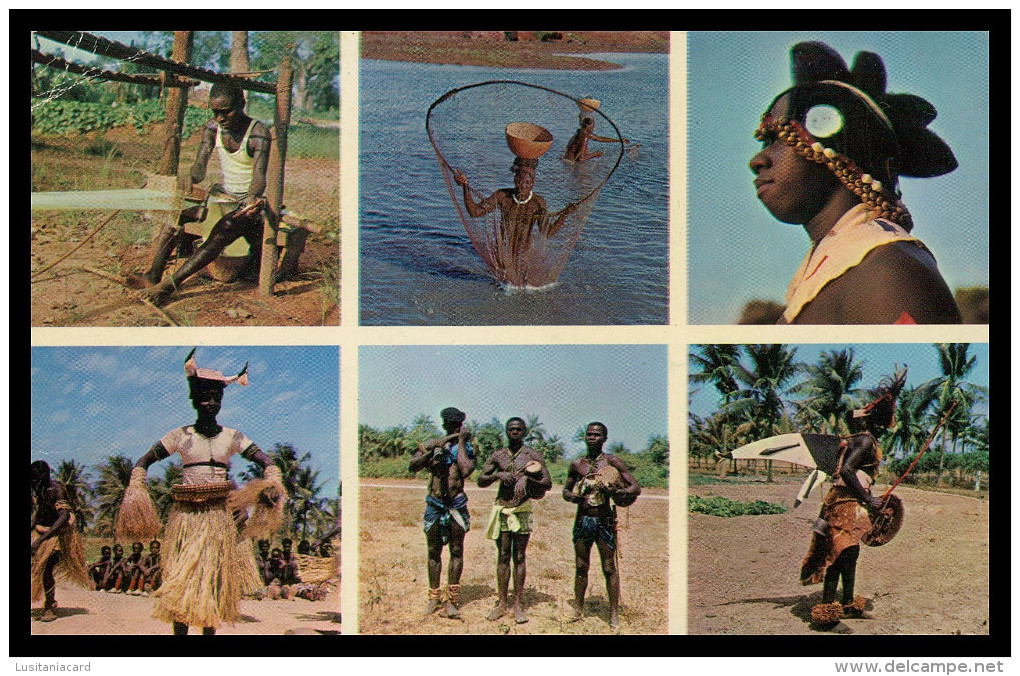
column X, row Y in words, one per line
column 236, row 166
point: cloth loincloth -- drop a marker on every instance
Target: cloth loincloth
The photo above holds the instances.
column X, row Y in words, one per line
column 592, row 529
column 509, row 519
column 443, row 511
column 207, row 566
column 847, row 520
column 71, row 565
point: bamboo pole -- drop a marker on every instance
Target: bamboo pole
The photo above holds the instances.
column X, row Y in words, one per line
column 110, row 75
column 176, row 103
column 116, row 50
column 274, row 178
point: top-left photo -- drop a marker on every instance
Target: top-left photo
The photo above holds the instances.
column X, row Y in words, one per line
column 185, row 178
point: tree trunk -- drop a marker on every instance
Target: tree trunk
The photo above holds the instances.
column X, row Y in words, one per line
column 942, row 456
column 275, row 178
column 239, row 52
column 176, row 103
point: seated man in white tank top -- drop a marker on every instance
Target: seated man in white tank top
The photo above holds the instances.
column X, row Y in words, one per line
column 242, row 145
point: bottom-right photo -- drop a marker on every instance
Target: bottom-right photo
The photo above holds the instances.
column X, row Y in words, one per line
column 838, row 488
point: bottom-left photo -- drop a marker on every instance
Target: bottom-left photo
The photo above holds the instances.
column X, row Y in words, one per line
column 179, row 490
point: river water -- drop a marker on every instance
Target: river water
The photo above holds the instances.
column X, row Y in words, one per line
column 417, row 265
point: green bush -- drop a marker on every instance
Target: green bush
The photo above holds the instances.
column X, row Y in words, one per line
column 720, row 506
column 77, row 117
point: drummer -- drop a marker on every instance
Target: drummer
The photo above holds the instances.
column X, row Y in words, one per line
column 522, row 474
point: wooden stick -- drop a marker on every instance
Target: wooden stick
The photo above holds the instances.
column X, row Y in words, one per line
column 924, row 448
column 110, row 75
column 104, row 47
column 274, row 179
column 80, row 245
column 146, row 301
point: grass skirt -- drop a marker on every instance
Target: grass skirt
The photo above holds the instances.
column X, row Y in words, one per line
column 208, row 566
column 71, row 567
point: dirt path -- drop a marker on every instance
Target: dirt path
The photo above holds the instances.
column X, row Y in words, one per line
column 931, row 579
column 91, row 612
column 393, row 582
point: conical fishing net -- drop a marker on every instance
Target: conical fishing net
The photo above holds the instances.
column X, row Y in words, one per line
column 524, row 241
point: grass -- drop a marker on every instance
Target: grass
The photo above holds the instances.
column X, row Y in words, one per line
column 720, row 506
column 330, row 289
column 313, row 142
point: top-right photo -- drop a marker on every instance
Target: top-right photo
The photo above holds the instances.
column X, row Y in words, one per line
column 838, row 177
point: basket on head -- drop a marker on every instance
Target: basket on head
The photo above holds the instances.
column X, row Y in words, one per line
column 528, row 141
column 588, row 105
column 885, row 526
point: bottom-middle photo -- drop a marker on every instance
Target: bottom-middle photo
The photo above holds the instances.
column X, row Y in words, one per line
column 513, row 489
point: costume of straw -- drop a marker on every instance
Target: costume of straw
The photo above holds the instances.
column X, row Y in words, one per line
column 69, row 544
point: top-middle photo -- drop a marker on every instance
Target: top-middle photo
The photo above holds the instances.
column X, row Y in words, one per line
column 511, row 177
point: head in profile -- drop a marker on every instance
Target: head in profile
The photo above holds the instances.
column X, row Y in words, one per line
column 834, row 146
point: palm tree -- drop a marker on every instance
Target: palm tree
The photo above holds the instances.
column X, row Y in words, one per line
column 73, row 479
column 488, row 438
column 114, row 475
column 955, row 365
column 161, row 488
column 551, row 448
column 658, row 449
column 717, row 363
column 830, row 392
column 305, row 501
column 535, row 433
column 911, row 426
column 762, row 385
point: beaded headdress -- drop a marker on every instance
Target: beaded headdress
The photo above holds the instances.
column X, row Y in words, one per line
column 844, row 120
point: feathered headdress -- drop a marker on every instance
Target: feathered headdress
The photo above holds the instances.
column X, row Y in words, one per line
column 882, row 408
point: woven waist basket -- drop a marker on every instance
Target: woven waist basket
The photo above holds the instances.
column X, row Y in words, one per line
column 199, row 493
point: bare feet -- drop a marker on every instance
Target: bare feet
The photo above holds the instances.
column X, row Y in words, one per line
column 137, row 281
column 576, row 612
column 614, row 620
column 48, row 615
column 158, row 294
column 497, row 612
column 519, row 616
column 450, row 611
column 432, row 607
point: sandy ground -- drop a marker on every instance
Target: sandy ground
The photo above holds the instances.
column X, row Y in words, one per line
column 393, row 583
column 91, row 612
column 931, row 579
column 70, row 295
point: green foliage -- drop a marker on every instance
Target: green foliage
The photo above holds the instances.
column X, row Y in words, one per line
column 305, row 140
column 720, row 506
column 385, row 468
column 60, row 117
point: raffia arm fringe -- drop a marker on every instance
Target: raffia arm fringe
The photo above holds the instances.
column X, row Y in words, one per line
column 138, row 518
column 262, row 500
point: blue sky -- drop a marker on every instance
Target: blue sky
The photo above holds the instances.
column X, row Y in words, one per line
column 878, row 359
column 567, row 386
column 92, row 402
column 737, row 251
